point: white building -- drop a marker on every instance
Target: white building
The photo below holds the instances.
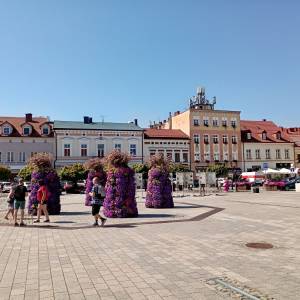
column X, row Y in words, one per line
column 77, row 141
column 173, row 143
column 265, row 146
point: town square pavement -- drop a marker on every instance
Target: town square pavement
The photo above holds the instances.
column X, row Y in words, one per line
column 188, row 252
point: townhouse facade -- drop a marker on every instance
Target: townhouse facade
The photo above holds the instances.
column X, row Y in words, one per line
column 21, row 137
column 173, row 143
column 76, row 142
column 294, row 135
column 214, row 134
column 265, row 146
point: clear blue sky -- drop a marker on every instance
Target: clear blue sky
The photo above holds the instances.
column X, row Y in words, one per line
column 137, row 58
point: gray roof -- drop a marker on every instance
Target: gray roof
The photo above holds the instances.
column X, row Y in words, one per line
column 95, row 126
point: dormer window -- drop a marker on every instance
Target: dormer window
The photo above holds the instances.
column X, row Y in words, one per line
column 6, row 130
column 248, row 135
column 26, row 130
column 45, row 130
column 278, row 135
column 264, row 135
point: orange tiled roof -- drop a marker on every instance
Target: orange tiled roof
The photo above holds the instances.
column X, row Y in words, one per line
column 165, row 134
column 17, row 122
column 258, row 127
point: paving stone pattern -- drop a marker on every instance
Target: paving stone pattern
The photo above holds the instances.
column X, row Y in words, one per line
column 149, row 258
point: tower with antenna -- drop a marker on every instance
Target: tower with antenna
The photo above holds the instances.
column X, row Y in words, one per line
column 201, row 102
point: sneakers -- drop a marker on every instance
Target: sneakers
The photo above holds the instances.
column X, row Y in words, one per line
column 16, row 224
column 103, row 220
column 36, row 221
column 46, row 221
column 22, row 224
column 6, row 218
column 96, row 224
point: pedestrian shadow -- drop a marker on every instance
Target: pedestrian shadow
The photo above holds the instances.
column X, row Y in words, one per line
column 75, row 213
column 151, row 216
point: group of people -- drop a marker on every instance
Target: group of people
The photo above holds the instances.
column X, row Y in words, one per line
column 17, row 199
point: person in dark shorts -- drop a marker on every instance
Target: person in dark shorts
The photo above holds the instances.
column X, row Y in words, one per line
column 20, row 195
column 98, row 195
column 42, row 197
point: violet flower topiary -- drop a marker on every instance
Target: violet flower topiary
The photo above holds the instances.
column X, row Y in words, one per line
column 120, row 200
column 159, row 188
column 42, row 169
column 95, row 168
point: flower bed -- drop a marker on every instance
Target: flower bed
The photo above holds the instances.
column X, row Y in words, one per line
column 274, row 185
column 243, row 186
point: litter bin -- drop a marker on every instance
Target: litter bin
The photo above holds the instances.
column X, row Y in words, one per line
column 255, row 189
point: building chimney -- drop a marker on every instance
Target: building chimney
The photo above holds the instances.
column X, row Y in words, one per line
column 264, row 120
column 86, row 120
column 170, row 120
column 28, row 117
column 90, row 120
column 135, row 122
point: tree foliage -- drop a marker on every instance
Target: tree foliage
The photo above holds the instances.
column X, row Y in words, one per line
column 220, row 169
column 5, row 173
column 73, row 173
column 26, row 172
column 178, row 168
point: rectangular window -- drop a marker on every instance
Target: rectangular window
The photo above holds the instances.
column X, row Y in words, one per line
column 118, row 146
column 248, row 154
column 215, row 122
column 100, row 150
column 197, row 157
column 206, row 139
column 225, row 156
column 67, row 150
column 233, row 123
column 26, row 130
column 248, row 135
column 257, row 153
column 234, row 139
column 216, row 156
column 177, row 157
column 215, row 139
column 169, row 155
column 45, row 130
column 152, row 153
column 10, row 156
column 185, row 157
column 298, row 157
column 83, row 150
column 278, row 154
column 0, row 156
column 225, row 139
column 196, row 138
column 22, row 157
column 196, row 122
column 207, row 156
column 224, row 122
column 132, row 149
column 206, row 121
column 268, row 154
column 287, row 154
column 6, row 131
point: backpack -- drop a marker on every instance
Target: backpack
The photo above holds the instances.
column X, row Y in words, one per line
column 99, row 192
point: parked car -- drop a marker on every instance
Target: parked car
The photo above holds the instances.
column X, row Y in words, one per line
column 5, row 186
column 290, row 184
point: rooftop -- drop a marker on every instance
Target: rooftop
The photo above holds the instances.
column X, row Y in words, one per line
column 165, row 133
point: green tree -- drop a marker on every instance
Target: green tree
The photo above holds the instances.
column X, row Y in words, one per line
column 25, row 172
column 220, row 169
column 73, row 173
column 141, row 168
column 5, row 173
column 178, row 168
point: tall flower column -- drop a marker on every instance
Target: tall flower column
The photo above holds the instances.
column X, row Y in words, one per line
column 120, row 187
column 95, row 168
column 159, row 188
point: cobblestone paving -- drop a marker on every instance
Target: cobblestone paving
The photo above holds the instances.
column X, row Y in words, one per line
column 138, row 259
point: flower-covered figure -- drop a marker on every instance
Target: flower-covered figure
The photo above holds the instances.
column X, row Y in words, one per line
column 159, row 188
column 43, row 170
column 120, row 200
column 95, row 169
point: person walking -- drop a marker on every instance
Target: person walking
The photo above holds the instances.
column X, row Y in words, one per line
column 98, row 195
column 42, row 197
column 10, row 202
column 20, row 195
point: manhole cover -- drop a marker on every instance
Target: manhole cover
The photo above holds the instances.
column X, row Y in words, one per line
column 259, row 245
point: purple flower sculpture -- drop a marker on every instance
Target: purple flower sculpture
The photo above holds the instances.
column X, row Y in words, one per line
column 95, row 167
column 159, row 188
column 41, row 164
column 120, row 200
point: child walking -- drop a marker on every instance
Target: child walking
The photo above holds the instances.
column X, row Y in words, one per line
column 10, row 202
column 98, row 195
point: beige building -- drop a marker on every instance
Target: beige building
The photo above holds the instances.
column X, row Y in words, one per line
column 78, row 141
column 21, row 137
column 214, row 134
column 265, row 146
column 173, row 143
column 294, row 135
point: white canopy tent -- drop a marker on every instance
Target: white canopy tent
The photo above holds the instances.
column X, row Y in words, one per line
column 271, row 171
column 285, row 171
